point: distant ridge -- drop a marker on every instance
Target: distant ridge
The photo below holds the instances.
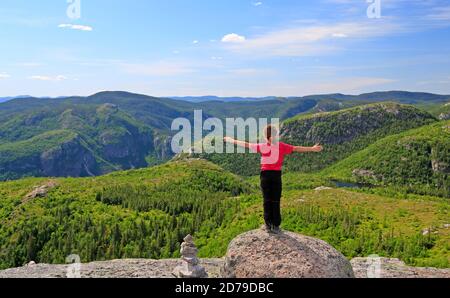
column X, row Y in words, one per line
column 223, row 99
column 399, row 96
column 405, row 97
column 5, row 99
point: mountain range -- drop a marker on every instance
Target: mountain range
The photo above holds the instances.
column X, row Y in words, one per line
column 398, row 96
column 110, row 131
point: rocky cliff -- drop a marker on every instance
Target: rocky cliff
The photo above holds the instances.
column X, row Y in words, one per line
column 75, row 142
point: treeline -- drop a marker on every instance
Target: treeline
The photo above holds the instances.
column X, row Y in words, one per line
column 354, row 232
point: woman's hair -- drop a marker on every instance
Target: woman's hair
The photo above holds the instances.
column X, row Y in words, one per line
column 270, row 131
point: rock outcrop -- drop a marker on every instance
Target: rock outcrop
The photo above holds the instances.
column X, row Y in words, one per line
column 444, row 116
column 258, row 254
column 40, row 191
column 253, row 254
column 139, row 268
column 128, row 268
column 393, row 268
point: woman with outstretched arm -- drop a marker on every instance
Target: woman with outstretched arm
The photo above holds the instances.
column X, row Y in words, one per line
column 272, row 157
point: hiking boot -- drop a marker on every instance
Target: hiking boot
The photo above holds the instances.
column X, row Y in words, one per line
column 276, row 230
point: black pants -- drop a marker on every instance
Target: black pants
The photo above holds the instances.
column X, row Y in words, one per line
column 272, row 186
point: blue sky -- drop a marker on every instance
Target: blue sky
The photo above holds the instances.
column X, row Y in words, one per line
column 223, row 47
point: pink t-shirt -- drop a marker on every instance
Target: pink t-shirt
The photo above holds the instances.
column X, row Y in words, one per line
column 272, row 155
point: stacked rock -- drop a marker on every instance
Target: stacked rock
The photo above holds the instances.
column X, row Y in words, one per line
column 190, row 267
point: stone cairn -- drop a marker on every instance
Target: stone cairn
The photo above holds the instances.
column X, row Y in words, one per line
column 190, row 267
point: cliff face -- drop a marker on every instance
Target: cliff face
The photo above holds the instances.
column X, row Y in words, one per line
column 126, row 148
column 75, row 142
column 69, row 159
column 162, row 147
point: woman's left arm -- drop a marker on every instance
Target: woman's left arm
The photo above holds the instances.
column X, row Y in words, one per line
column 315, row 148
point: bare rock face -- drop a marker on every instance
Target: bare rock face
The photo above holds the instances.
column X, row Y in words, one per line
column 41, row 191
column 393, row 268
column 70, row 159
column 444, row 116
column 361, row 173
column 163, row 147
column 127, row 268
column 258, row 254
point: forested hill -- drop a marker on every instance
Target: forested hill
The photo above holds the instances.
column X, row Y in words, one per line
column 140, row 213
column 348, row 131
column 418, row 159
column 80, row 140
column 341, row 132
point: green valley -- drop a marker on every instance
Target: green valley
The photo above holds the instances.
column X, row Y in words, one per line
column 146, row 213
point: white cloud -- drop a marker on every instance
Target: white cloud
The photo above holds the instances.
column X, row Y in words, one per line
column 233, row 38
column 252, row 72
column 339, row 35
column 195, row 42
column 347, row 85
column 158, row 69
column 76, row 27
column 4, row 76
column 440, row 14
column 40, row 78
column 257, row 3
column 30, row 64
column 48, row 78
column 248, row 86
column 309, row 40
column 445, row 81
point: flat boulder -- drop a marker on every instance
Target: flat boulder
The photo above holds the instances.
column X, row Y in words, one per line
column 258, row 254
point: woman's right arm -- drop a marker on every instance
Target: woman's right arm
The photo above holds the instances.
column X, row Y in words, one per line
column 236, row 142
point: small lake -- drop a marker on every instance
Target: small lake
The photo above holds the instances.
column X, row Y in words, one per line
column 343, row 184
